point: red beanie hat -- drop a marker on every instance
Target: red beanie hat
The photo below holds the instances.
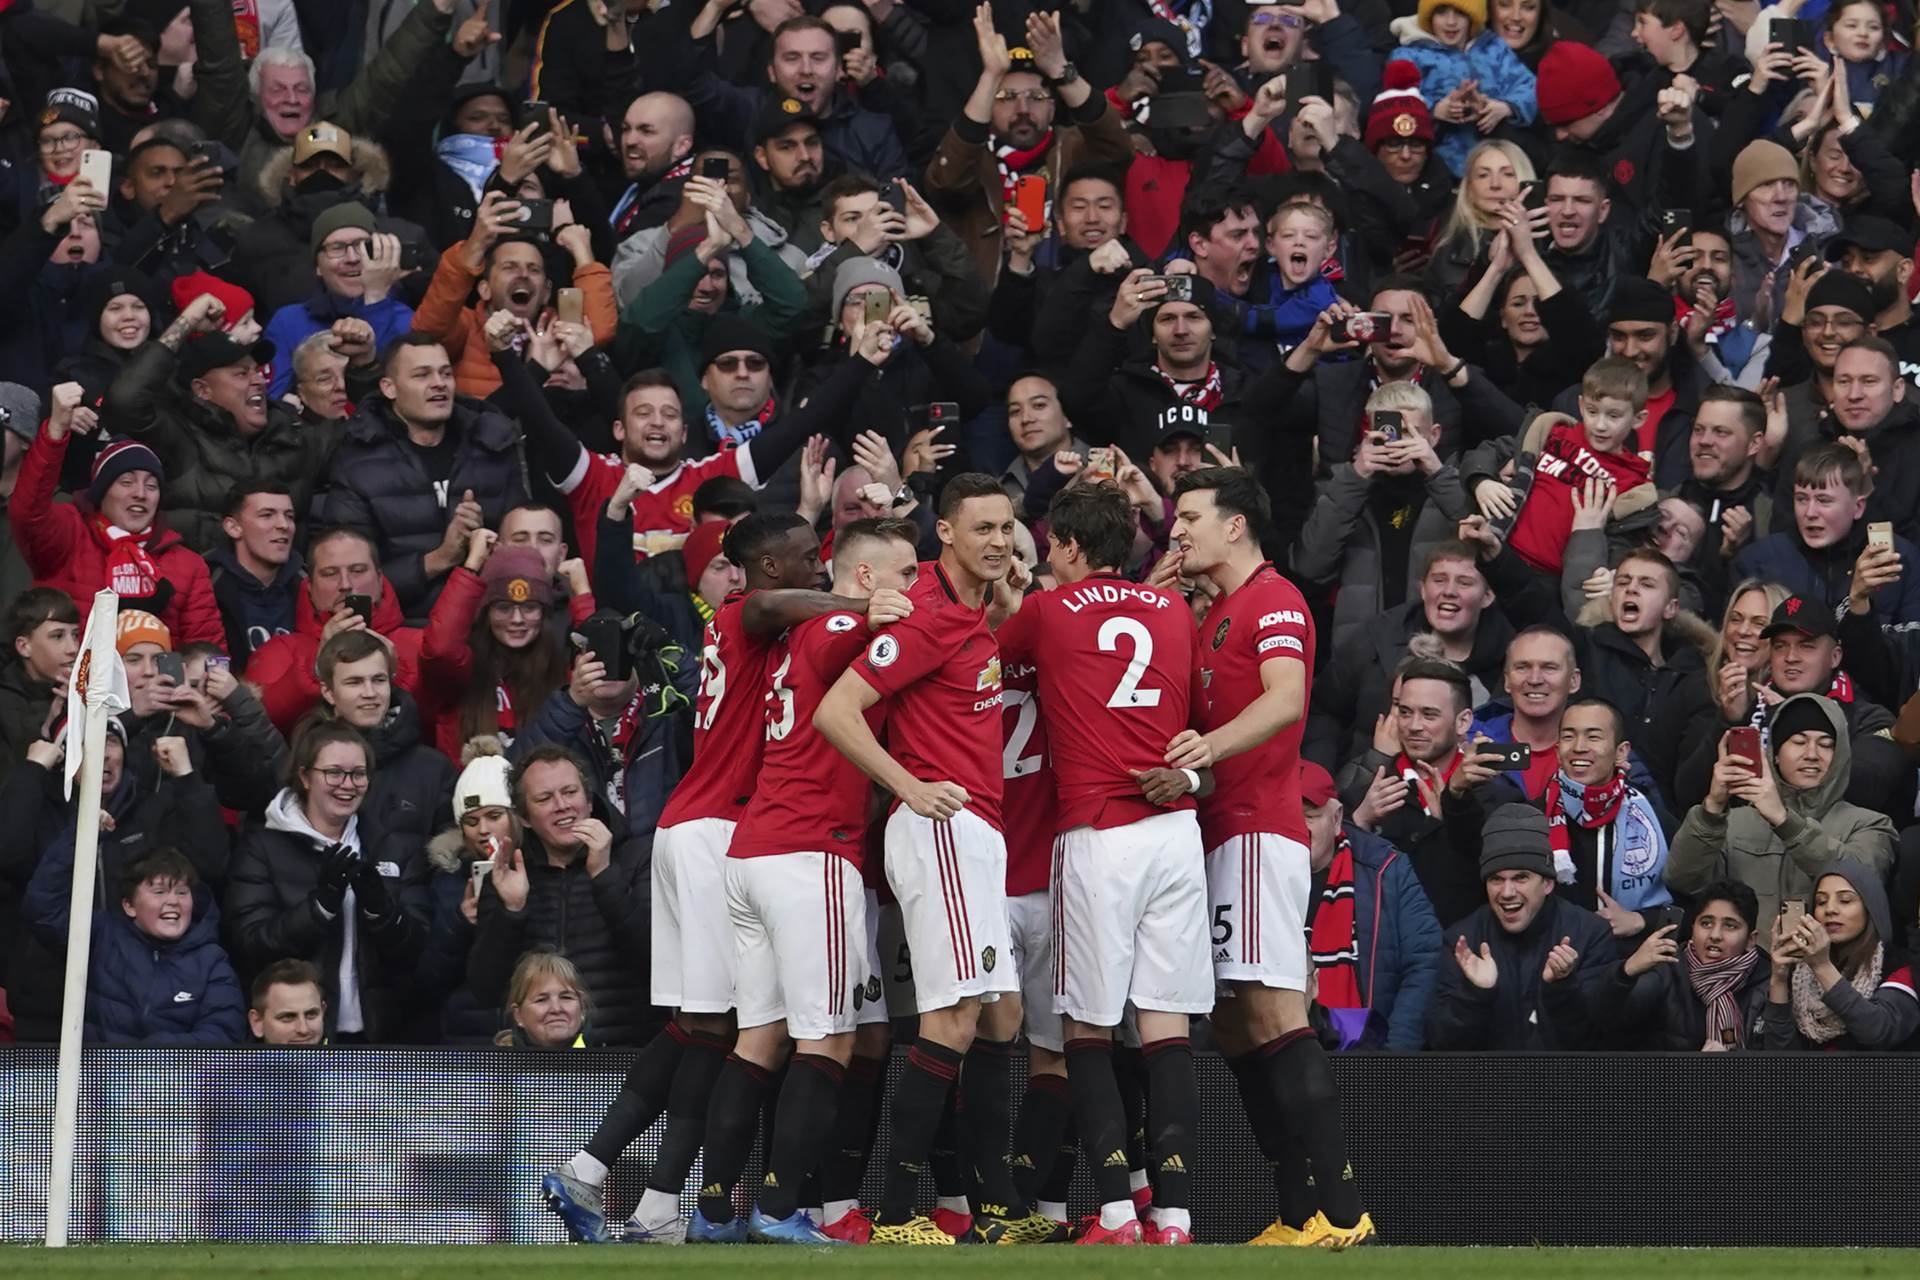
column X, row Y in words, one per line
column 1575, row 80
column 1398, row 109
column 701, row 546
column 236, row 300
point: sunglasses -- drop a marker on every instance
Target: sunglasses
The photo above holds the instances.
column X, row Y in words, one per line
column 728, row 364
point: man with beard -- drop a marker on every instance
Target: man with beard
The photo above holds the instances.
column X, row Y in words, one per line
column 1007, row 131
column 1725, row 483
column 1881, row 253
column 791, row 157
column 1641, row 328
column 168, row 218
column 1699, row 269
column 805, row 66
column 641, row 257
column 1377, row 518
column 656, row 140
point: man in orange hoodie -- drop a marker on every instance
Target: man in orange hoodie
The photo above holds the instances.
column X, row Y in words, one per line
column 506, row 269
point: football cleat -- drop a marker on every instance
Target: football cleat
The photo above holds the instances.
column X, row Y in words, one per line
column 1127, row 1232
column 957, row 1225
column 799, row 1228
column 674, row 1232
column 915, row 1230
column 1322, row 1234
column 1278, row 1234
column 578, row 1205
column 700, row 1231
column 1142, row 1201
column 855, row 1226
column 1034, row 1228
column 1152, row 1233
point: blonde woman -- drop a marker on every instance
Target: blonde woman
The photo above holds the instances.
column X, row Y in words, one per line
column 1496, row 173
column 546, row 1003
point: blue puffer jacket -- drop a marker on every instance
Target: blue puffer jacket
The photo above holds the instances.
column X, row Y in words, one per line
column 1501, row 74
column 1399, row 944
column 140, row 991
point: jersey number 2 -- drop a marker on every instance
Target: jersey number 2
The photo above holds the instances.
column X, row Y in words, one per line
column 1128, row 692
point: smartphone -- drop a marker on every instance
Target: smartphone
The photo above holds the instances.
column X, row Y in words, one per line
column 943, row 413
column 535, row 113
column 362, row 605
column 1745, row 741
column 878, row 304
column 1672, row 220
column 603, row 639
column 416, row 256
column 716, row 169
column 569, row 305
column 922, row 306
column 1533, row 195
column 1388, row 423
column 1880, row 534
column 479, row 871
column 1310, row 80
column 1793, row 911
column 206, row 152
column 1368, row 326
column 1030, row 198
column 1179, row 287
column 1795, row 35
column 536, row 215
column 170, row 667
column 896, row 195
column 1509, row 757
column 97, row 167
column 846, row 41
column 1100, row 464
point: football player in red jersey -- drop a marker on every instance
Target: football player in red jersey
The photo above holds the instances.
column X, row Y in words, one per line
column 1253, row 665
column 1129, row 876
column 939, row 673
column 692, row 944
column 798, row 905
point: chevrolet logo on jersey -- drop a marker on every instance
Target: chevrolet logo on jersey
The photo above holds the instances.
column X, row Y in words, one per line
column 989, row 674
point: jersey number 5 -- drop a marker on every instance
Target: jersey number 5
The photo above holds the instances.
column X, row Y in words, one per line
column 780, row 703
column 1128, row 692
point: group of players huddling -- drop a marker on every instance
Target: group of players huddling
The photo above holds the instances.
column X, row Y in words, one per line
column 1092, row 824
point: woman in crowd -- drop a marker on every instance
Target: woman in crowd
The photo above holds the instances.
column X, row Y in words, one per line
column 1495, row 172
column 1531, row 335
column 485, row 827
column 1741, row 657
column 301, row 887
column 1837, row 983
column 119, row 306
column 1707, row 993
column 547, row 1004
column 1794, row 821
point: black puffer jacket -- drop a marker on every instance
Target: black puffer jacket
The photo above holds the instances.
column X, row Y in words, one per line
column 411, row 795
column 378, row 484
column 601, row 924
column 273, row 914
column 1658, row 1010
column 23, row 710
column 204, row 453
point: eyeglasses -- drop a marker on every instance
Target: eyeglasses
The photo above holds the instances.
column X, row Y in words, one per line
column 341, row 777
column 1032, row 97
column 511, row 609
column 728, row 364
column 335, row 252
column 1284, row 19
column 61, row 141
column 1833, row 324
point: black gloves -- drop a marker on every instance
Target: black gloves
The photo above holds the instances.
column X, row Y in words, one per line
column 370, row 889
column 337, row 862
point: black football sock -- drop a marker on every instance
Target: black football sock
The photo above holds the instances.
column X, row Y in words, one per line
column 1044, row 1113
column 808, row 1102
column 1292, row 1185
column 1302, row 1082
column 1131, row 1077
column 987, row 1086
column 1173, row 1108
column 845, row 1165
column 700, row 1060
column 1058, row 1183
column 917, row 1103
column 1098, row 1115
column 642, row 1097
column 950, row 1180
column 732, row 1118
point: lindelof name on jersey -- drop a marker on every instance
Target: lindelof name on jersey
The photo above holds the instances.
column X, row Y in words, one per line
column 1088, row 593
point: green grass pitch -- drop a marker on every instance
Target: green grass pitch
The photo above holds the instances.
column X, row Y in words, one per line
column 504, row 1262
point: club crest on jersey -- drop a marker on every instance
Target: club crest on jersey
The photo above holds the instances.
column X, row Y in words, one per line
column 873, row 988
column 841, row 622
column 988, row 959
column 884, row 652
column 989, row 675
column 1220, row 632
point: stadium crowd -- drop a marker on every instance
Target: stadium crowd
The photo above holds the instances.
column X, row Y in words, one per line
column 586, row 480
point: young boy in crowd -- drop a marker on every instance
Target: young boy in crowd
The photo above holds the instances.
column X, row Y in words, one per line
column 1816, row 557
column 1300, row 237
column 1473, row 80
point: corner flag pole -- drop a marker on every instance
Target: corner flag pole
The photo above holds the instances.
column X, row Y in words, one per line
column 94, row 677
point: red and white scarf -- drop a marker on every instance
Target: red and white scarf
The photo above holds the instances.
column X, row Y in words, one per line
column 1600, row 806
column 1412, row 770
column 131, row 572
column 1334, row 940
column 1013, row 163
column 1207, row 393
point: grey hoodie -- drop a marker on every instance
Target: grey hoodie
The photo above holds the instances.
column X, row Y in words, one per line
column 1781, row 862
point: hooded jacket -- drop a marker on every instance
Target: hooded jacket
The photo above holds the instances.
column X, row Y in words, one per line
column 64, row 547
column 439, row 990
column 274, row 914
column 1521, row 1012
column 1886, row 1019
column 142, row 990
column 1780, row 862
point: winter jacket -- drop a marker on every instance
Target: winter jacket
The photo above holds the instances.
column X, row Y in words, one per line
column 282, row 668
column 853, row 137
column 273, row 914
column 204, row 453
column 253, row 611
column 439, row 993
column 1487, row 61
column 1398, row 943
column 1658, row 1010
column 601, row 923
column 45, row 321
column 963, row 178
column 24, row 703
column 642, row 256
column 1780, row 862
column 1117, row 399
column 142, row 990
column 1340, row 543
column 378, row 484
column 1895, row 446
column 1522, row 1012
column 644, row 773
column 1629, row 866
column 1826, row 573
column 935, row 267
column 444, row 313
column 411, row 794
column 297, row 321
column 1886, row 1019
column 65, row 547
column 1813, row 223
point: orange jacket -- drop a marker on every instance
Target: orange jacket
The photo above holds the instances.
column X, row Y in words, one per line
column 444, row 313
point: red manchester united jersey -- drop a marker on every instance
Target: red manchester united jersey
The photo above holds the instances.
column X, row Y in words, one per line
column 1028, row 802
column 808, row 796
column 727, row 721
column 1259, row 790
column 940, row 672
column 1116, row 674
column 662, row 512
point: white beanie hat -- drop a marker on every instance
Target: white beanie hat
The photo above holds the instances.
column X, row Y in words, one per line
column 483, row 783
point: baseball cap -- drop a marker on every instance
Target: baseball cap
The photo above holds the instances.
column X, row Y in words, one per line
column 1804, row 614
column 322, row 138
column 1316, row 784
column 217, row 351
column 1875, row 235
column 777, row 115
column 1181, row 420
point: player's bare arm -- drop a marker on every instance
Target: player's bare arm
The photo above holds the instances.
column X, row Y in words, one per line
column 841, row 718
column 773, row 611
column 1282, row 701
column 1164, row 786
